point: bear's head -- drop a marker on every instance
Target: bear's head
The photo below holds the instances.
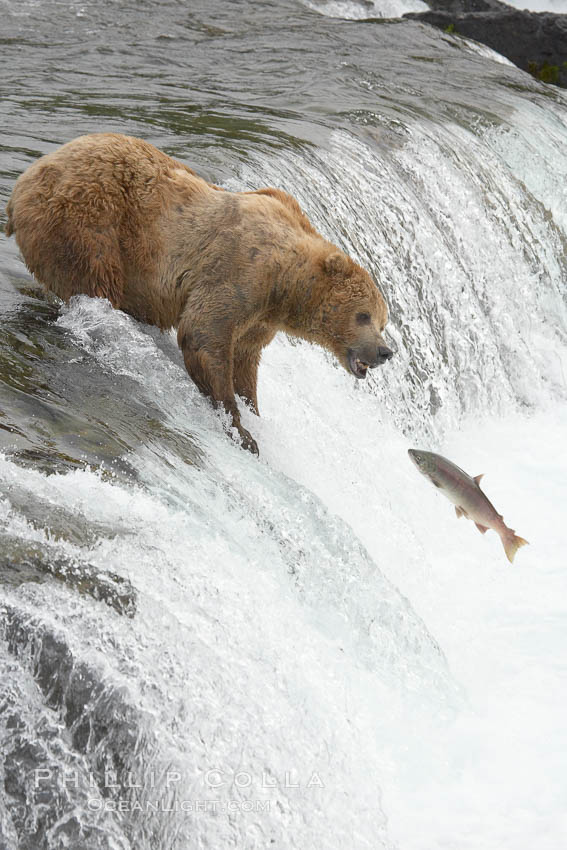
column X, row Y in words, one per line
column 350, row 316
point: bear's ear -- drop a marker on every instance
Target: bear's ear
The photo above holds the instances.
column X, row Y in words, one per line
column 336, row 263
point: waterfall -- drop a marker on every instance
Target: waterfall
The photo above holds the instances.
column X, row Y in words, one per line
column 199, row 648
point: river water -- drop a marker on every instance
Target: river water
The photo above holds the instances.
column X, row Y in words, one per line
column 203, row 649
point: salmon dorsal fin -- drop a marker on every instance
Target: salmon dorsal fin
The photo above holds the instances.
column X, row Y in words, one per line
column 478, row 478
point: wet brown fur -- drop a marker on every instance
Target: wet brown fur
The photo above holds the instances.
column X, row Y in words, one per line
column 112, row 216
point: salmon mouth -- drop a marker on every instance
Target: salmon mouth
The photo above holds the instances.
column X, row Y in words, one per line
column 357, row 366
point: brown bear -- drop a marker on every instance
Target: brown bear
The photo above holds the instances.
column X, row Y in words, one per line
column 112, row 216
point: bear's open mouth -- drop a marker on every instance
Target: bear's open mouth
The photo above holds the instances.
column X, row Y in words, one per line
column 357, row 367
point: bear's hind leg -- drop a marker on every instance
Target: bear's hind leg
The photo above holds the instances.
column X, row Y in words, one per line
column 71, row 261
column 89, row 263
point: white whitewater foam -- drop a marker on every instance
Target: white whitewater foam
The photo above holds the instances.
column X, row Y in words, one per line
column 557, row 6
column 534, row 149
column 494, row 779
column 362, row 9
column 266, row 666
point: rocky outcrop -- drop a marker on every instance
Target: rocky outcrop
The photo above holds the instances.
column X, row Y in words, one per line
column 534, row 41
column 460, row 7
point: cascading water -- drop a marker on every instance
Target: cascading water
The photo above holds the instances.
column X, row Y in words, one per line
column 203, row 649
column 432, row 206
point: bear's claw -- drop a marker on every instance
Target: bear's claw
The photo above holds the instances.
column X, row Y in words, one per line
column 248, row 442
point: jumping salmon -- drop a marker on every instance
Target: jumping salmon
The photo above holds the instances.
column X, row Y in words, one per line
column 465, row 493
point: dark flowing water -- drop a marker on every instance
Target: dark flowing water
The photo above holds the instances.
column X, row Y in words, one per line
column 199, row 649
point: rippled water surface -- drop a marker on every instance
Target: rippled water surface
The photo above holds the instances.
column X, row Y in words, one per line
column 203, row 649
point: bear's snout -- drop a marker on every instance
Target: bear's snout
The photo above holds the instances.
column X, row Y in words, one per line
column 373, row 354
column 384, row 353
column 365, row 357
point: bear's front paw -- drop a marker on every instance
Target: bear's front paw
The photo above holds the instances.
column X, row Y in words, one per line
column 248, row 441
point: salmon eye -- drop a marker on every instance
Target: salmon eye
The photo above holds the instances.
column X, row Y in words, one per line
column 363, row 318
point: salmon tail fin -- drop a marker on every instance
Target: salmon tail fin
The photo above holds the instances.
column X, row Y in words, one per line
column 512, row 543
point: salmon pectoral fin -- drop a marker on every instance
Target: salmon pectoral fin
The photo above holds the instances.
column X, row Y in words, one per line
column 482, row 528
column 512, row 543
column 460, row 512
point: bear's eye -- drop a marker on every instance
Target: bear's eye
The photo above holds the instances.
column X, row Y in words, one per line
column 363, row 318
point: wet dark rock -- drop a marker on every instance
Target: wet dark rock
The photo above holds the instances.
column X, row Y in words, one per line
column 459, row 7
column 57, row 522
column 60, row 410
column 47, row 687
column 534, row 41
column 52, row 462
column 23, row 561
column 65, row 716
